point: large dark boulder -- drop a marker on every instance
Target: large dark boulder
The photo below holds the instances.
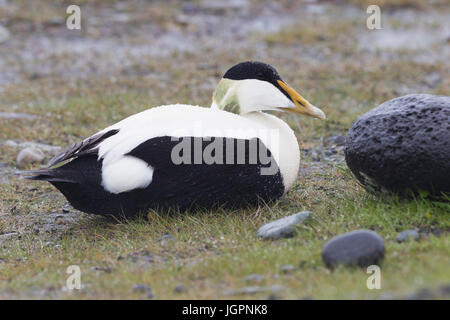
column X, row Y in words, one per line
column 403, row 145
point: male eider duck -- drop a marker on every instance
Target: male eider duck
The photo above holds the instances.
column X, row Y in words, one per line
column 181, row 157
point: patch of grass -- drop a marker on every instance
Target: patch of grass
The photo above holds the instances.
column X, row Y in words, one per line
column 318, row 32
column 212, row 252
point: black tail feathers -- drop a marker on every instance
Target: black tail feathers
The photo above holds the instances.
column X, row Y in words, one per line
column 45, row 174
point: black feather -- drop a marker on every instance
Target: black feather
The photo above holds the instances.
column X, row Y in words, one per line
column 87, row 146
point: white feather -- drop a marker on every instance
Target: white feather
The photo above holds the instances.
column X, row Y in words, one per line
column 255, row 95
column 126, row 174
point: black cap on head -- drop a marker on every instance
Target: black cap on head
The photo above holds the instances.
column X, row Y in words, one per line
column 255, row 70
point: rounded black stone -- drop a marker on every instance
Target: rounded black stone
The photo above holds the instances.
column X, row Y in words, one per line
column 357, row 248
column 403, row 145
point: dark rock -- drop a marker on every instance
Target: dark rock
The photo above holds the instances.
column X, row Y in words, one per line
column 101, row 269
column 254, row 278
column 422, row 294
column 403, row 145
column 407, row 235
column 357, row 248
column 444, row 290
column 143, row 289
column 273, row 296
column 284, row 227
column 337, row 140
column 287, row 268
column 180, row 289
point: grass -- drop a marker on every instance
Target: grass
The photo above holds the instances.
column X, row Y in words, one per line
column 212, row 253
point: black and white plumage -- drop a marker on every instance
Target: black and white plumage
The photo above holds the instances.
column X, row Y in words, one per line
column 186, row 157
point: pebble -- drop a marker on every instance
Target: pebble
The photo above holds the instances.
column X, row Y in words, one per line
column 407, row 235
column 180, row 289
column 4, row 34
column 9, row 235
column 29, row 144
column 16, row 115
column 254, row 290
column 287, row 268
column 29, row 156
column 444, row 290
column 143, row 289
column 245, row 290
column 339, row 140
column 357, row 248
column 282, row 228
column 254, row 277
column 422, row 294
column 102, row 269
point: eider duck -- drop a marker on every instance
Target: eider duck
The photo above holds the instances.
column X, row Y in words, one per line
column 182, row 157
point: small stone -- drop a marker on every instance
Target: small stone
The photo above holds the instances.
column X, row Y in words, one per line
column 15, row 115
column 339, row 140
column 9, row 235
column 254, row 278
column 316, row 156
column 386, row 296
column 444, row 290
column 284, row 227
column 180, row 289
column 432, row 80
column 246, row 290
column 357, row 248
column 277, row 288
column 29, row 156
column 287, row 268
column 66, row 209
column 101, row 269
column 166, row 237
column 422, row 294
column 4, row 34
column 143, row 289
column 407, row 235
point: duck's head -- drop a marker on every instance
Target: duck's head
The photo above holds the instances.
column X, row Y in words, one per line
column 255, row 86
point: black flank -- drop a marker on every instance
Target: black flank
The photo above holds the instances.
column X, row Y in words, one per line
column 183, row 187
